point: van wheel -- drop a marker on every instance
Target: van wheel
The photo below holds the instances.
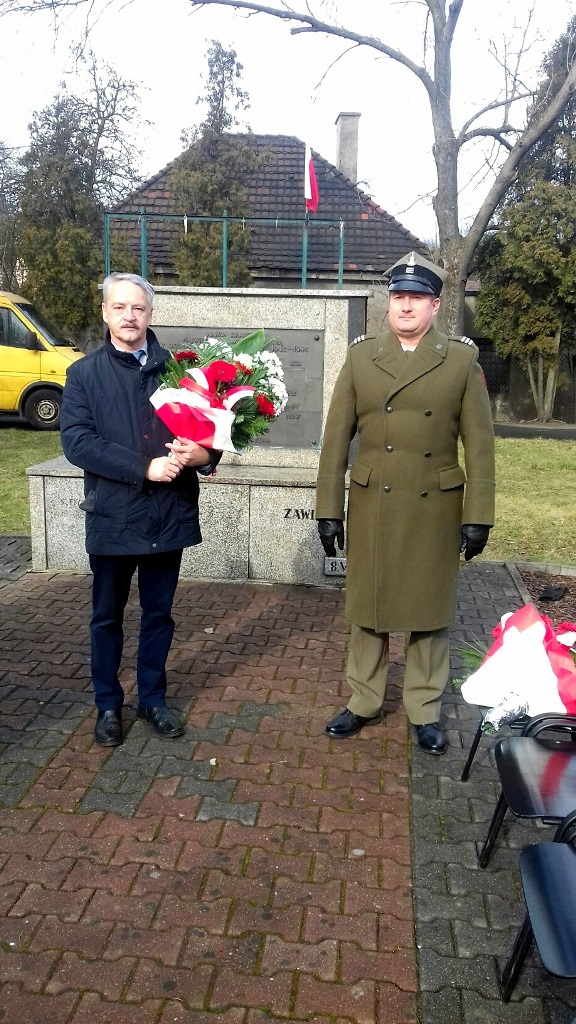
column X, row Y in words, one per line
column 42, row 409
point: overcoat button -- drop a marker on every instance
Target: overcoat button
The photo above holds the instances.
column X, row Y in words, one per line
column 388, row 408
column 428, row 412
column 427, row 455
column 423, row 494
column 389, row 448
column 387, row 489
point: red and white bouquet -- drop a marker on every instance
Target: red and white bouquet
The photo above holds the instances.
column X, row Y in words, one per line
column 529, row 669
column 222, row 394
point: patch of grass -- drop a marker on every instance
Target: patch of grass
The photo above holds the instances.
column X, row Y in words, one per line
column 535, row 493
column 535, row 501
column 21, row 447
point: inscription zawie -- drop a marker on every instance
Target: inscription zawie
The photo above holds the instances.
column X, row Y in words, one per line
column 298, row 513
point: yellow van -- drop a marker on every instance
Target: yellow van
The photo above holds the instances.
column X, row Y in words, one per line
column 34, row 357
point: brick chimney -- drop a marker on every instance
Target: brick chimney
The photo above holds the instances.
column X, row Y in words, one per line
column 347, row 145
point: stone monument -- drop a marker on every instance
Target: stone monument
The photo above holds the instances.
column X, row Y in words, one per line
column 257, row 512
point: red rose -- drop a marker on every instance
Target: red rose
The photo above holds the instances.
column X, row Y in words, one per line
column 265, row 406
column 180, row 356
column 219, row 372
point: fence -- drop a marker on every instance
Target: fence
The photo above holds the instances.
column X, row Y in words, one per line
column 144, row 219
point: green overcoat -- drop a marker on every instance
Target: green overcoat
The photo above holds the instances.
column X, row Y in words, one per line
column 408, row 494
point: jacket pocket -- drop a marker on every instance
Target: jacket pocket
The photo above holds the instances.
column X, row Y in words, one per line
column 110, row 505
column 452, row 478
column 360, row 473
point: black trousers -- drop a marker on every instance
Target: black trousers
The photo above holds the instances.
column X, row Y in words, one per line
column 157, row 581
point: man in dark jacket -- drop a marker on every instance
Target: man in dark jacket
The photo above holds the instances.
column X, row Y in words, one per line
column 140, row 498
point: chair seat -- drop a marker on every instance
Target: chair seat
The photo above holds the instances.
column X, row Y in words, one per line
column 538, row 776
column 548, row 873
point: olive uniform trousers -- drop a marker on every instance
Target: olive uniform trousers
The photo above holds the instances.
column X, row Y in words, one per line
column 425, row 676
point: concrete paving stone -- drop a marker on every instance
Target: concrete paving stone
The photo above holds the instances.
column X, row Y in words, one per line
column 430, row 905
column 16, row 1005
column 473, row 942
column 174, row 765
column 436, row 935
column 477, row 1010
column 458, row 809
column 184, row 746
column 504, row 911
column 452, row 789
column 18, row 774
column 10, row 795
column 463, row 832
column 431, row 877
column 130, row 784
column 558, row 1012
column 244, row 813
column 448, row 853
column 240, row 954
column 462, row 881
column 33, row 756
column 444, row 1005
column 536, row 981
column 478, row 974
column 221, row 791
column 92, row 1009
column 122, row 762
column 424, row 788
column 124, row 804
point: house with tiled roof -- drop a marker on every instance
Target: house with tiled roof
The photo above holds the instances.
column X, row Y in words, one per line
column 372, row 239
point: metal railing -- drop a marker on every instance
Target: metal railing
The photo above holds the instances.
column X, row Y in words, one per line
column 144, row 219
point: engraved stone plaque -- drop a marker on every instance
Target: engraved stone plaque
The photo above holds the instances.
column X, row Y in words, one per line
column 302, row 356
column 334, row 566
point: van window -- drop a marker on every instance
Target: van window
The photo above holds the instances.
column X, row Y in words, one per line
column 53, row 335
column 12, row 330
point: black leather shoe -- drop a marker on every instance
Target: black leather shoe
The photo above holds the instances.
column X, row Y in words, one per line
column 348, row 724
column 108, row 728
column 431, row 738
column 164, row 721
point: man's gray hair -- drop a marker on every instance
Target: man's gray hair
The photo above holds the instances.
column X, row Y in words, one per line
column 134, row 279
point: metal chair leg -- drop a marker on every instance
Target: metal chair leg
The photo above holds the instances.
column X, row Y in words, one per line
column 472, row 754
column 515, row 963
column 495, row 826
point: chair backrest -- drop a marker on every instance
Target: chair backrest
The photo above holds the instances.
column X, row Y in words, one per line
column 548, row 874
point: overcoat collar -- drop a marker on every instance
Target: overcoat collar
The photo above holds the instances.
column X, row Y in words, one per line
column 404, row 368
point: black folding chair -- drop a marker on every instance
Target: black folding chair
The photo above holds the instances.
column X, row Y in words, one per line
column 538, row 776
column 548, row 873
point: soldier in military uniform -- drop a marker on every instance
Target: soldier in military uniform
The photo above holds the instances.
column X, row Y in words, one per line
column 409, row 394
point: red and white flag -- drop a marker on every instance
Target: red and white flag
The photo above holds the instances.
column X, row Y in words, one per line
column 311, row 194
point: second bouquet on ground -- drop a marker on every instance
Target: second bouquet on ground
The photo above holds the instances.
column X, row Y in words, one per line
column 222, row 394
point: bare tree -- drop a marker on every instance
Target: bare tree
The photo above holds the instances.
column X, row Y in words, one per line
column 435, row 74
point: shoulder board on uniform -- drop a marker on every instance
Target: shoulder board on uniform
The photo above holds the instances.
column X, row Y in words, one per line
column 361, row 337
column 465, row 341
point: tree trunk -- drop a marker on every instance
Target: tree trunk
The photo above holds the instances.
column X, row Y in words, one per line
column 451, row 313
column 552, row 380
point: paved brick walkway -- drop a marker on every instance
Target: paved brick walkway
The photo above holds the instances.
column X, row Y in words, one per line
column 254, row 870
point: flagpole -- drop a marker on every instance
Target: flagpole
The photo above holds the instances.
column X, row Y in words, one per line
column 304, row 251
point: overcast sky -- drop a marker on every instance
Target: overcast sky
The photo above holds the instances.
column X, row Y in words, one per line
column 292, row 89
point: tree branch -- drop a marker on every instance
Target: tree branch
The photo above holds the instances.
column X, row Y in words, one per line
column 495, row 133
column 534, row 132
column 491, row 106
column 453, row 15
column 313, row 24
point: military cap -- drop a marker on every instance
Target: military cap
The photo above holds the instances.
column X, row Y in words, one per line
column 414, row 273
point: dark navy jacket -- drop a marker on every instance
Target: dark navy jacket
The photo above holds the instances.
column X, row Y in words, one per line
column 110, row 429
